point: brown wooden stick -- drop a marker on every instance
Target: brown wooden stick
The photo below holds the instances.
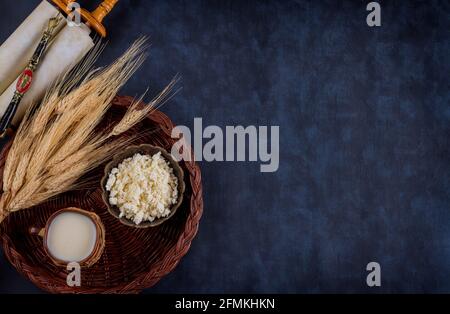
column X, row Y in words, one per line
column 63, row 5
column 94, row 19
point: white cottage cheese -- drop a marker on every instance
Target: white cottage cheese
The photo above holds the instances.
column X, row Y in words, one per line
column 143, row 187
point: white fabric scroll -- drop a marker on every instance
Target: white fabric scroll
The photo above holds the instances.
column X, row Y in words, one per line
column 17, row 50
column 68, row 48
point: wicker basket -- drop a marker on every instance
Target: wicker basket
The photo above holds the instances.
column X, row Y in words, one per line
column 133, row 259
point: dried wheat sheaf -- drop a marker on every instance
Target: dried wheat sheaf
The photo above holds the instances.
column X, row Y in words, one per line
column 57, row 142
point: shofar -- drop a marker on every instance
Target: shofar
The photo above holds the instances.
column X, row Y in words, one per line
column 16, row 51
column 68, row 48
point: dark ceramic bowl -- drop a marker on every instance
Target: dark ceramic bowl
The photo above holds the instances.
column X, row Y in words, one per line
column 144, row 149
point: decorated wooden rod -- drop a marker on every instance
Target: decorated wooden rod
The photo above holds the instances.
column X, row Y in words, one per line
column 69, row 46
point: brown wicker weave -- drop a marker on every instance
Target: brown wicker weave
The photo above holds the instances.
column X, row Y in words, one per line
column 133, row 259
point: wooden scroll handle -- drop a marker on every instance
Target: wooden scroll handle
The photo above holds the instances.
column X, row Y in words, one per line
column 63, row 5
column 94, row 19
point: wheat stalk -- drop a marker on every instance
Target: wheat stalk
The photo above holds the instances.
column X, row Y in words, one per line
column 56, row 143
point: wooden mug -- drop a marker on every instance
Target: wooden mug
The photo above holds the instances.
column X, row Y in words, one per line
column 99, row 241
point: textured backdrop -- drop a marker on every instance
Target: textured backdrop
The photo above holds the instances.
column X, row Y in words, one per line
column 364, row 121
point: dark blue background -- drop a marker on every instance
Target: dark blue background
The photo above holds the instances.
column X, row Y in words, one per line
column 364, row 121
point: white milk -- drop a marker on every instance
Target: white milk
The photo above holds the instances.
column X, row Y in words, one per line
column 71, row 237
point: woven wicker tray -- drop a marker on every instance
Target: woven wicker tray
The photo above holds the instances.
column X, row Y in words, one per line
column 133, row 259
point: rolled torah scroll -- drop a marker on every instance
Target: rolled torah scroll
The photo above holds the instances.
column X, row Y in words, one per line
column 68, row 48
column 16, row 51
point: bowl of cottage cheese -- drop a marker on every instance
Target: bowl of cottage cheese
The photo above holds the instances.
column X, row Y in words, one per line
column 143, row 186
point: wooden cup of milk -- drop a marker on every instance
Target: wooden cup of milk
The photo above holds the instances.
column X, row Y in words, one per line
column 73, row 235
